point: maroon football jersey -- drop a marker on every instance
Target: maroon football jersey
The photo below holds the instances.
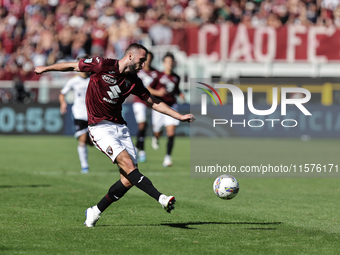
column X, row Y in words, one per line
column 147, row 78
column 108, row 89
column 171, row 83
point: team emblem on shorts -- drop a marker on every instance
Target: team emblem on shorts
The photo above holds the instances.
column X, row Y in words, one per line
column 109, row 151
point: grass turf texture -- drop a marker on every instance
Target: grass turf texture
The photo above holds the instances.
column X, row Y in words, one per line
column 44, row 196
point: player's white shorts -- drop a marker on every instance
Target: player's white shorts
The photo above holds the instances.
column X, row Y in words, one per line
column 139, row 110
column 112, row 139
column 159, row 120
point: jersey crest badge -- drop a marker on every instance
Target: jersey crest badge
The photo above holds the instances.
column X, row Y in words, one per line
column 109, row 151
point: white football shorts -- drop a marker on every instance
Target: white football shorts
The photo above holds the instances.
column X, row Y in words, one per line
column 112, row 139
column 159, row 120
column 139, row 109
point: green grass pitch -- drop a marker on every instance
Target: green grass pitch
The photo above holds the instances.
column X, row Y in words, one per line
column 44, row 196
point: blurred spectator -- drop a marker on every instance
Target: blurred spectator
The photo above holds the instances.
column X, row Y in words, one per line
column 312, row 12
column 119, row 7
column 77, row 20
column 330, row 4
column 65, row 39
column 273, row 20
column 121, row 35
column 325, row 18
column 99, row 39
column 45, row 31
column 160, row 33
column 20, row 94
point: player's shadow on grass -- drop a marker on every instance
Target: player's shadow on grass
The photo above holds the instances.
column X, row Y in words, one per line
column 187, row 225
column 25, row 186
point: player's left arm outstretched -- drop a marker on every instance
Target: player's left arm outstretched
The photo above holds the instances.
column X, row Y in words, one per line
column 162, row 107
column 62, row 67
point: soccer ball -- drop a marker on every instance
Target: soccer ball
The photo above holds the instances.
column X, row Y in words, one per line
column 226, row 186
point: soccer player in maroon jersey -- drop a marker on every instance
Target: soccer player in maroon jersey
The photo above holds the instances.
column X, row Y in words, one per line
column 147, row 75
column 166, row 88
column 110, row 84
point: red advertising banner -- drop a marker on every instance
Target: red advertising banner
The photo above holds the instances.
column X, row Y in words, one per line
column 293, row 43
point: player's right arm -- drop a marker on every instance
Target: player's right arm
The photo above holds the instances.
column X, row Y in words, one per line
column 61, row 67
column 162, row 107
column 63, row 104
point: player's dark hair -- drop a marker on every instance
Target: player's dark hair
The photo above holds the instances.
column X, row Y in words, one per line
column 169, row 54
column 135, row 46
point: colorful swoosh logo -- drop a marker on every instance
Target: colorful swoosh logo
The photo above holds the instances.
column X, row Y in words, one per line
column 212, row 89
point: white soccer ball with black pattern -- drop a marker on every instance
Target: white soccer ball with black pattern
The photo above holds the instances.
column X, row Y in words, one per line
column 226, row 186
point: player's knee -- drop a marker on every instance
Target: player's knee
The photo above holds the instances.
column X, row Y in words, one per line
column 170, row 132
column 142, row 126
column 125, row 162
column 157, row 134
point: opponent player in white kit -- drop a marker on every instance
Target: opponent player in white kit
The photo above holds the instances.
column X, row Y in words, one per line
column 111, row 82
column 147, row 75
column 78, row 84
column 166, row 88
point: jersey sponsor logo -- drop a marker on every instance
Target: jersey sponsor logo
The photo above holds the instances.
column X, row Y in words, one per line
column 109, row 100
column 109, row 79
column 114, row 93
column 89, row 60
column 97, row 59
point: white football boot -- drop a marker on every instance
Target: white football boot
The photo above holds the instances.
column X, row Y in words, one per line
column 91, row 217
column 85, row 170
column 167, row 202
column 154, row 143
column 167, row 161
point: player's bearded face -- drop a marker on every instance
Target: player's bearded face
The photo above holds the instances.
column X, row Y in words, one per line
column 133, row 67
column 137, row 62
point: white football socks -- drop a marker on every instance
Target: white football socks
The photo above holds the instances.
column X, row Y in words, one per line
column 82, row 152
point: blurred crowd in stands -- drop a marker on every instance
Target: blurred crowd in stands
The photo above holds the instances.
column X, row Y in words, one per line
column 40, row 32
